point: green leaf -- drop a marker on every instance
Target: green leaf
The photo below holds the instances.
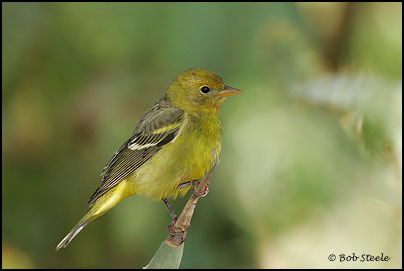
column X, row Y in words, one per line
column 166, row 257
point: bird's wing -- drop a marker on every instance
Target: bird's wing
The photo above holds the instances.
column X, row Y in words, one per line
column 157, row 127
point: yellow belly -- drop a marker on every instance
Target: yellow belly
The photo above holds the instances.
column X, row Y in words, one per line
column 188, row 158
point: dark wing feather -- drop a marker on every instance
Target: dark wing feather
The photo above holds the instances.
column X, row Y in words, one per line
column 142, row 145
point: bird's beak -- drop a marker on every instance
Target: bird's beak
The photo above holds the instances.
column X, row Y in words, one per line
column 229, row 91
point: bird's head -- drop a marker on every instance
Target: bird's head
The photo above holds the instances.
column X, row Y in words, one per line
column 199, row 90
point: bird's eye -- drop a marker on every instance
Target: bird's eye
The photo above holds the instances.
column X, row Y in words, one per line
column 205, row 89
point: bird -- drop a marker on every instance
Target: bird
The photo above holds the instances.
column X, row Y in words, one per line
column 175, row 142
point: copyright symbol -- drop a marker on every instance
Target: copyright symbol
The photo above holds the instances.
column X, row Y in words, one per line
column 332, row 257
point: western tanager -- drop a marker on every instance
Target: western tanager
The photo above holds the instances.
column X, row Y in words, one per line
column 176, row 141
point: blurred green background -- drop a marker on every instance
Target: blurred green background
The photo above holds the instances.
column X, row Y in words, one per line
column 311, row 163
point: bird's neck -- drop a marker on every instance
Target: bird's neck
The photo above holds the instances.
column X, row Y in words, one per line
column 203, row 115
column 209, row 123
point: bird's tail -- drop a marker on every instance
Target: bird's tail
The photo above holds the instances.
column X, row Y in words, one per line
column 100, row 207
column 76, row 229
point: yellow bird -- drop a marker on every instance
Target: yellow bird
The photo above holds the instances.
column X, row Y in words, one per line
column 176, row 141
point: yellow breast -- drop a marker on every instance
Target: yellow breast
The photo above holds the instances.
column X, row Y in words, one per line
column 189, row 157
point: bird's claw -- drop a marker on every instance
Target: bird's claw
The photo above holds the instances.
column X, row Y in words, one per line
column 203, row 194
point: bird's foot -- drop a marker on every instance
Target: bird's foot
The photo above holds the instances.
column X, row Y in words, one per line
column 171, row 226
column 203, row 194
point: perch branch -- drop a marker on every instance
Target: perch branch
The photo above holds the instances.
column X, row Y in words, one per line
column 179, row 229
